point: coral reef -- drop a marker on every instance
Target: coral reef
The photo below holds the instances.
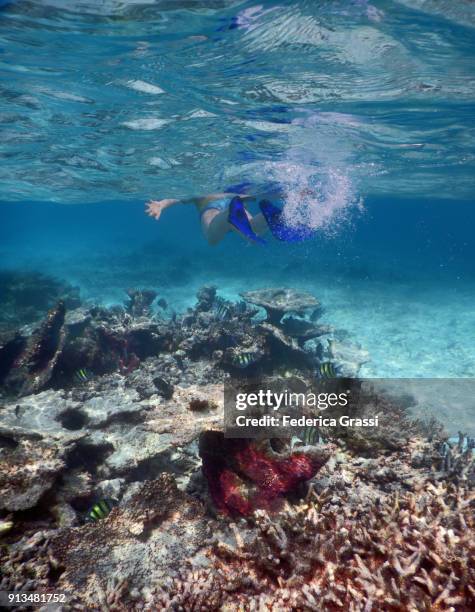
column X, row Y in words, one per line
column 102, row 340
column 350, row 547
column 140, row 302
column 341, row 519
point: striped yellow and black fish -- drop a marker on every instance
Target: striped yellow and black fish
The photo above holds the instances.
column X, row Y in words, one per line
column 240, row 307
column 326, row 370
column 309, row 435
column 100, row 510
column 82, row 375
column 243, row 360
column 306, row 436
column 222, row 310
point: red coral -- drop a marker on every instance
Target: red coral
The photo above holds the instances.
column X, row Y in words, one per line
column 244, row 475
column 233, row 494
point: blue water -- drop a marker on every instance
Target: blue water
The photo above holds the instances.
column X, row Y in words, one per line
column 369, row 105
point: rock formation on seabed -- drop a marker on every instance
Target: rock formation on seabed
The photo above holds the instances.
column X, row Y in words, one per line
column 126, row 405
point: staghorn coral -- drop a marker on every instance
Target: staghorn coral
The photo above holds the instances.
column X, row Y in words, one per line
column 395, row 427
column 453, row 458
column 413, row 551
column 28, row 564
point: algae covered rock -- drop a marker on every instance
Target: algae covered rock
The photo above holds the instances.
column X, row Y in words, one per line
column 35, row 357
column 29, row 468
column 140, row 301
column 142, row 540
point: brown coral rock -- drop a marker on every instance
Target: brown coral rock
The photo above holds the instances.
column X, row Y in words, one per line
column 27, row 472
column 139, row 541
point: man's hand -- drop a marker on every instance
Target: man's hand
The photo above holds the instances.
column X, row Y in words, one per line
column 154, row 208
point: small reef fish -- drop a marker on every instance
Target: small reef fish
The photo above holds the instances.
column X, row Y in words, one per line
column 309, row 436
column 223, row 311
column 241, row 307
column 162, row 303
column 243, row 360
column 82, row 375
column 326, row 370
column 100, row 510
column 316, row 314
column 5, row 525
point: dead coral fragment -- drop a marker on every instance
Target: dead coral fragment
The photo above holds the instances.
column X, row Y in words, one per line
column 28, row 470
column 200, row 405
column 28, row 565
column 140, row 302
column 33, row 364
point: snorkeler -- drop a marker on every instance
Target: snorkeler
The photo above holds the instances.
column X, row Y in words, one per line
column 221, row 213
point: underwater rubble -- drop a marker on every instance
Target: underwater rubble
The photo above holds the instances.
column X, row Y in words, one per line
column 124, row 406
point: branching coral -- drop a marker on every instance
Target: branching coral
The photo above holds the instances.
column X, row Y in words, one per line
column 27, row 565
column 411, row 552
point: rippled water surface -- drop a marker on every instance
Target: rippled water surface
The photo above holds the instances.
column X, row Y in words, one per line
column 108, row 99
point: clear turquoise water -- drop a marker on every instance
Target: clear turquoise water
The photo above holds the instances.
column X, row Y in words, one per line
column 104, row 104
